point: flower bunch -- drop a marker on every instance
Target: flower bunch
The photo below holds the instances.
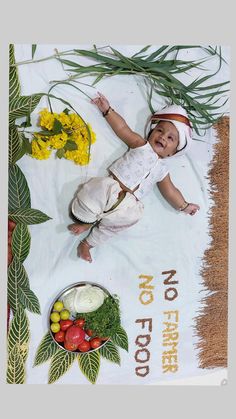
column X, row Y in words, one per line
column 65, row 132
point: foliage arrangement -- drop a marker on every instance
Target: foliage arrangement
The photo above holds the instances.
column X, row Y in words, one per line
column 20, row 214
column 89, row 362
column 160, row 71
column 65, row 132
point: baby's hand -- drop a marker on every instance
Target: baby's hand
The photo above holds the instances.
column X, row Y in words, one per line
column 191, row 209
column 101, row 102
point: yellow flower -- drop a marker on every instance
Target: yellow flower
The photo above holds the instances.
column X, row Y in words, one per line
column 40, row 153
column 64, row 120
column 78, row 156
column 92, row 134
column 46, row 119
column 74, row 128
column 59, row 140
column 76, row 121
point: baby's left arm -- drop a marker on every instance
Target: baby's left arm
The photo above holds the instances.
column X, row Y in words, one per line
column 175, row 197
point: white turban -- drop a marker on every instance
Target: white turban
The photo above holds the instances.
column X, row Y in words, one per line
column 179, row 118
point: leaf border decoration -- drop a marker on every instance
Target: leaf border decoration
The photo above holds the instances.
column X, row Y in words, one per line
column 28, row 299
column 46, row 350
column 120, row 338
column 22, row 106
column 21, row 241
column 16, row 276
column 19, row 194
column 16, row 144
column 110, row 352
column 15, row 367
column 14, row 84
column 60, row 364
column 89, row 364
column 20, row 296
column 28, row 216
column 19, row 333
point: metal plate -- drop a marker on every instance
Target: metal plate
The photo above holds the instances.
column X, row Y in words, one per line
column 60, row 296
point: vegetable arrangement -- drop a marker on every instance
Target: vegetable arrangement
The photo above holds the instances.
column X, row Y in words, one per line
column 82, row 335
column 86, row 336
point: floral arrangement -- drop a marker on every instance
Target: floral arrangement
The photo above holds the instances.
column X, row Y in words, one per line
column 65, row 132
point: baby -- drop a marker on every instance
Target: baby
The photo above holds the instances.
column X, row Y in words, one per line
column 108, row 205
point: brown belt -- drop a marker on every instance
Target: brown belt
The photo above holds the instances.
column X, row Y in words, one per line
column 121, row 196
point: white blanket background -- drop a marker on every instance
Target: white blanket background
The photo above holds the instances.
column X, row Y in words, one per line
column 163, row 240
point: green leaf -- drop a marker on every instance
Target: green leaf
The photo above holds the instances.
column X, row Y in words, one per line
column 60, row 153
column 98, row 78
column 120, row 338
column 60, row 363
column 47, row 348
column 19, row 194
column 70, row 145
column 15, row 144
column 14, row 84
column 15, row 367
column 28, row 216
column 89, row 364
column 27, row 145
column 57, row 126
column 21, row 106
column 141, row 51
column 110, row 352
column 17, row 276
column 28, row 299
column 21, row 241
column 34, row 46
column 19, row 333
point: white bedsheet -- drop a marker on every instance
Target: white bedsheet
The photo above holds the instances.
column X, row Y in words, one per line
column 163, row 240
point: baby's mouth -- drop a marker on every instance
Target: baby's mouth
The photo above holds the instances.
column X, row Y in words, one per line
column 159, row 143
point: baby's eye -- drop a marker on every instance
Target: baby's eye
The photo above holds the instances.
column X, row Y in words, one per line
column 171, row 138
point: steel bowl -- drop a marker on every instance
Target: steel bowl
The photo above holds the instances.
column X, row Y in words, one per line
column 61, row 295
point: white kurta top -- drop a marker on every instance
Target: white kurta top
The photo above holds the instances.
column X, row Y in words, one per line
column 139, row 166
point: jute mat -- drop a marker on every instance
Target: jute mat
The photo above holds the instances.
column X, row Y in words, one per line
column 212, row 322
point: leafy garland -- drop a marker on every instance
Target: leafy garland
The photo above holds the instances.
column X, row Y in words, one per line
column 89, row 363
column 20, row 296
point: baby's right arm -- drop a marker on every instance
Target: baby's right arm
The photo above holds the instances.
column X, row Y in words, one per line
column 117, row 123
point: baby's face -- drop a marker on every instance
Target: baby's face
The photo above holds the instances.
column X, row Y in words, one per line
column 164, row 139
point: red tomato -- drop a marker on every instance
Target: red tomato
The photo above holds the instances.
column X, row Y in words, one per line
column 84, row 346
column 95, row 343
column 89, row 332
column 65, row 324
column 74, row 334
column 69, row 346
column 59, row 336
column 79, row 322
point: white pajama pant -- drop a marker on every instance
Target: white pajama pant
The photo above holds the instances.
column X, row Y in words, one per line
column 99, row 195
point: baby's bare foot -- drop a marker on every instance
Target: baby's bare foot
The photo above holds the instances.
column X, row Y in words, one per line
column 78, row 228
column 83, row 251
